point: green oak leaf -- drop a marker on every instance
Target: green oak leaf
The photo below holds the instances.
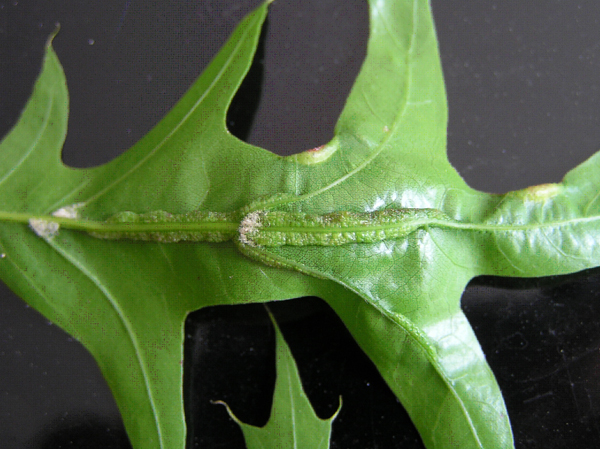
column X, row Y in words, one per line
column 126, row 301
column 293, row 422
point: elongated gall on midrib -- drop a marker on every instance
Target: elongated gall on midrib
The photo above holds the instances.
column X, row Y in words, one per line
column 165, row 227
column 275, row 228
column 270, row 228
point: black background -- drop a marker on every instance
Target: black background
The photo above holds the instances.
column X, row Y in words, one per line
column 523, row 91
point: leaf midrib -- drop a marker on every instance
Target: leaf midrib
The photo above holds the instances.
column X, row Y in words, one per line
column 230, row 228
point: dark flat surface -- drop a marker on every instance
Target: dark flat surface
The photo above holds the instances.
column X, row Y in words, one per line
column 522, row 81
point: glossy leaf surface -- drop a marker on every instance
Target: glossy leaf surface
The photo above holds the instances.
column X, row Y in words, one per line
column 127, row 301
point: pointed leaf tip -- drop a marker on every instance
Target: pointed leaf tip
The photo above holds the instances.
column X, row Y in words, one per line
column 52, row 35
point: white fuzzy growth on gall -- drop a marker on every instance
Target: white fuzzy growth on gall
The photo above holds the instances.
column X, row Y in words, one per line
column 249, row 227
column 48, row 229
column 68, row 211
column 43, row 228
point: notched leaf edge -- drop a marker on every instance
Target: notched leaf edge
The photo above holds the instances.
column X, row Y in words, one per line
column 293, row 379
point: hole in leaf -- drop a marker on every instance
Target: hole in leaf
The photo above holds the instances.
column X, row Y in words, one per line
column 313, row 51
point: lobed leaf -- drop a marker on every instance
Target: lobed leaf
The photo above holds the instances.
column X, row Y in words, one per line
column 127, row 301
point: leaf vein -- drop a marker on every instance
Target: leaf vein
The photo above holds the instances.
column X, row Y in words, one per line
column 33, row 145
column 172, row 132
column 126, row 324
